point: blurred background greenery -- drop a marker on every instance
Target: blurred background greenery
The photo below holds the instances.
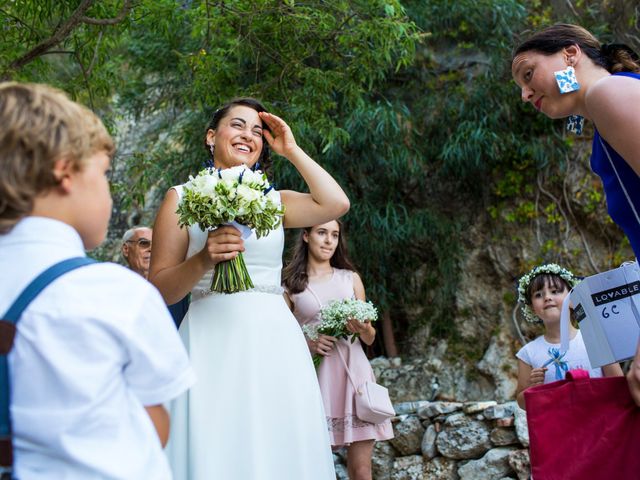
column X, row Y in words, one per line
column 409, row 104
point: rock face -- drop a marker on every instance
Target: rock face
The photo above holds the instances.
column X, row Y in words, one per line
column 451, row 441
column 566, row 222
column 494, row 464
column 432, row 378
column 408, row 436
column 463, row 437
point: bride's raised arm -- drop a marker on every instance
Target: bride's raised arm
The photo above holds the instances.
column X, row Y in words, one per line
column 326, row 200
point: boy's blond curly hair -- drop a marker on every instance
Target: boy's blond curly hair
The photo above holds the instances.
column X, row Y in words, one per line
column 39, row 125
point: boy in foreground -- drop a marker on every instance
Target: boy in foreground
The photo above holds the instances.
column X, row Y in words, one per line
column 96, row 353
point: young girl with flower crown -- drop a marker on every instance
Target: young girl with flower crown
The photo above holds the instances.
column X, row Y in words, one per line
column 541, row 292
column 320, row 272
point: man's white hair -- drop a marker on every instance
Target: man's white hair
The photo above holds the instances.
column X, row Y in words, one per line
column 131, row 232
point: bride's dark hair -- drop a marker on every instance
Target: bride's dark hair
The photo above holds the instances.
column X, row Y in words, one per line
column 294, row 275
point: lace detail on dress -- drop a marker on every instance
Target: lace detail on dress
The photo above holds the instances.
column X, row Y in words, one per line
column 200, row 293
column 343, row 424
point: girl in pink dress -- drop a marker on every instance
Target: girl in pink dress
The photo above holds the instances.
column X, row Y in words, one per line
column 318, row 273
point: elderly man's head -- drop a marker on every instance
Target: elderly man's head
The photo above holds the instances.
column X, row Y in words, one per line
column 136, row 248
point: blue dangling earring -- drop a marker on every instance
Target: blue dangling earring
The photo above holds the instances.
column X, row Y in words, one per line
column 256, row 166
column 566, row 80
column 575, row 123
column 567, row 83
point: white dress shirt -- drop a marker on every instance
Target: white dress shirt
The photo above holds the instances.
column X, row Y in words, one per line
column 92, row 349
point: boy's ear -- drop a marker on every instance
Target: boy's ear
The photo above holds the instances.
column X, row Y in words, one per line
column 63, row 168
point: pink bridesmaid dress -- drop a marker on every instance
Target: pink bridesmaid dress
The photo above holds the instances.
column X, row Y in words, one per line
column 337, row 392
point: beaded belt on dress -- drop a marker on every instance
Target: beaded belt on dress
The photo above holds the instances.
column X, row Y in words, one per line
column 200, row 293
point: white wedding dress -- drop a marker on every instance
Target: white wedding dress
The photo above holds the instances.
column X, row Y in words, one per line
column 255, row 412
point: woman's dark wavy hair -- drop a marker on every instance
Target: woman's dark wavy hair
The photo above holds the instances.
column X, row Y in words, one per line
column 615, row 57
column 294, row 275
column 265, row 156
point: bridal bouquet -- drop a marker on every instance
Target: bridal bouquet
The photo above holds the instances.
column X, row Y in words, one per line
column 334, row 318
column 237, row 196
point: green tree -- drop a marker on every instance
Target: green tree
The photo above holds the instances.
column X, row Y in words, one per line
column 410, row 104
column 63, row 43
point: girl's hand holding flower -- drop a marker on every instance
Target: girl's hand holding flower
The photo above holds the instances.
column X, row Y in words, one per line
column 322, row 345
column 348, row 318
column 364, row 330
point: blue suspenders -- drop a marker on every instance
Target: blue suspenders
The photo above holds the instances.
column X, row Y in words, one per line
column 7, row 333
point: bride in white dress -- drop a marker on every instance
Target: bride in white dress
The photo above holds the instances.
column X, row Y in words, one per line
column 256, row 411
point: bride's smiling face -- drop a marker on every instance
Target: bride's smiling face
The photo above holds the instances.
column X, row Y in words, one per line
column 238, row 138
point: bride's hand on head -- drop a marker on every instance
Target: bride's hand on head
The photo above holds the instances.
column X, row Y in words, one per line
column 223, row 244
column 279, row 135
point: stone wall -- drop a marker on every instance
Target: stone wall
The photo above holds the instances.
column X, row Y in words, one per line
column 451, row 440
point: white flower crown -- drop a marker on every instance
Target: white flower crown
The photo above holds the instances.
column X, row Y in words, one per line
column 525, row 280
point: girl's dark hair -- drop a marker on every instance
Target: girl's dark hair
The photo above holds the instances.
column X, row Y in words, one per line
column 265, row 155
column 615, row 57
column 294, row 275
column 538, row 283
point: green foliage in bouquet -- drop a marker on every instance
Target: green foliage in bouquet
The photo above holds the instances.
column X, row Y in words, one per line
column 220, row 197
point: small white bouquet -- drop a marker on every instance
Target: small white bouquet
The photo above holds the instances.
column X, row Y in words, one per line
column 334, row 318
column 237, row 196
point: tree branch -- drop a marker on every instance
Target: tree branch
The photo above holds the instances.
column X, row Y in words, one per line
column 95, row 53
column 62, row 33
column 76, row 18
column 85, row 77
column 126, row 7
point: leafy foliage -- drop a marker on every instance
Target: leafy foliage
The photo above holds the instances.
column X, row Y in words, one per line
column 67, row 44
column 409, row 104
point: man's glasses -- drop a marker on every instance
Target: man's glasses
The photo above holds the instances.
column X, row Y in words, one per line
column 142, row 242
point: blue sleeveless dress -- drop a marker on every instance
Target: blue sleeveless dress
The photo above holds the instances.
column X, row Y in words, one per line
column 618, row 206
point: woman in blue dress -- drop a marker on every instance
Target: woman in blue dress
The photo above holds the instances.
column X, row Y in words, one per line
column 564, row 71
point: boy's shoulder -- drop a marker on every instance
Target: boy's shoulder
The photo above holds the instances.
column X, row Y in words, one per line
column 104, row 289
column 108, row 277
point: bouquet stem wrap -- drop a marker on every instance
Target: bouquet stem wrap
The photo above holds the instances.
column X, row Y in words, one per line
column 231, row 276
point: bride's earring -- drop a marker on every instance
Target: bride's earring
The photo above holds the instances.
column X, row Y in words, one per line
column 566, row 80
column 575, row 124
